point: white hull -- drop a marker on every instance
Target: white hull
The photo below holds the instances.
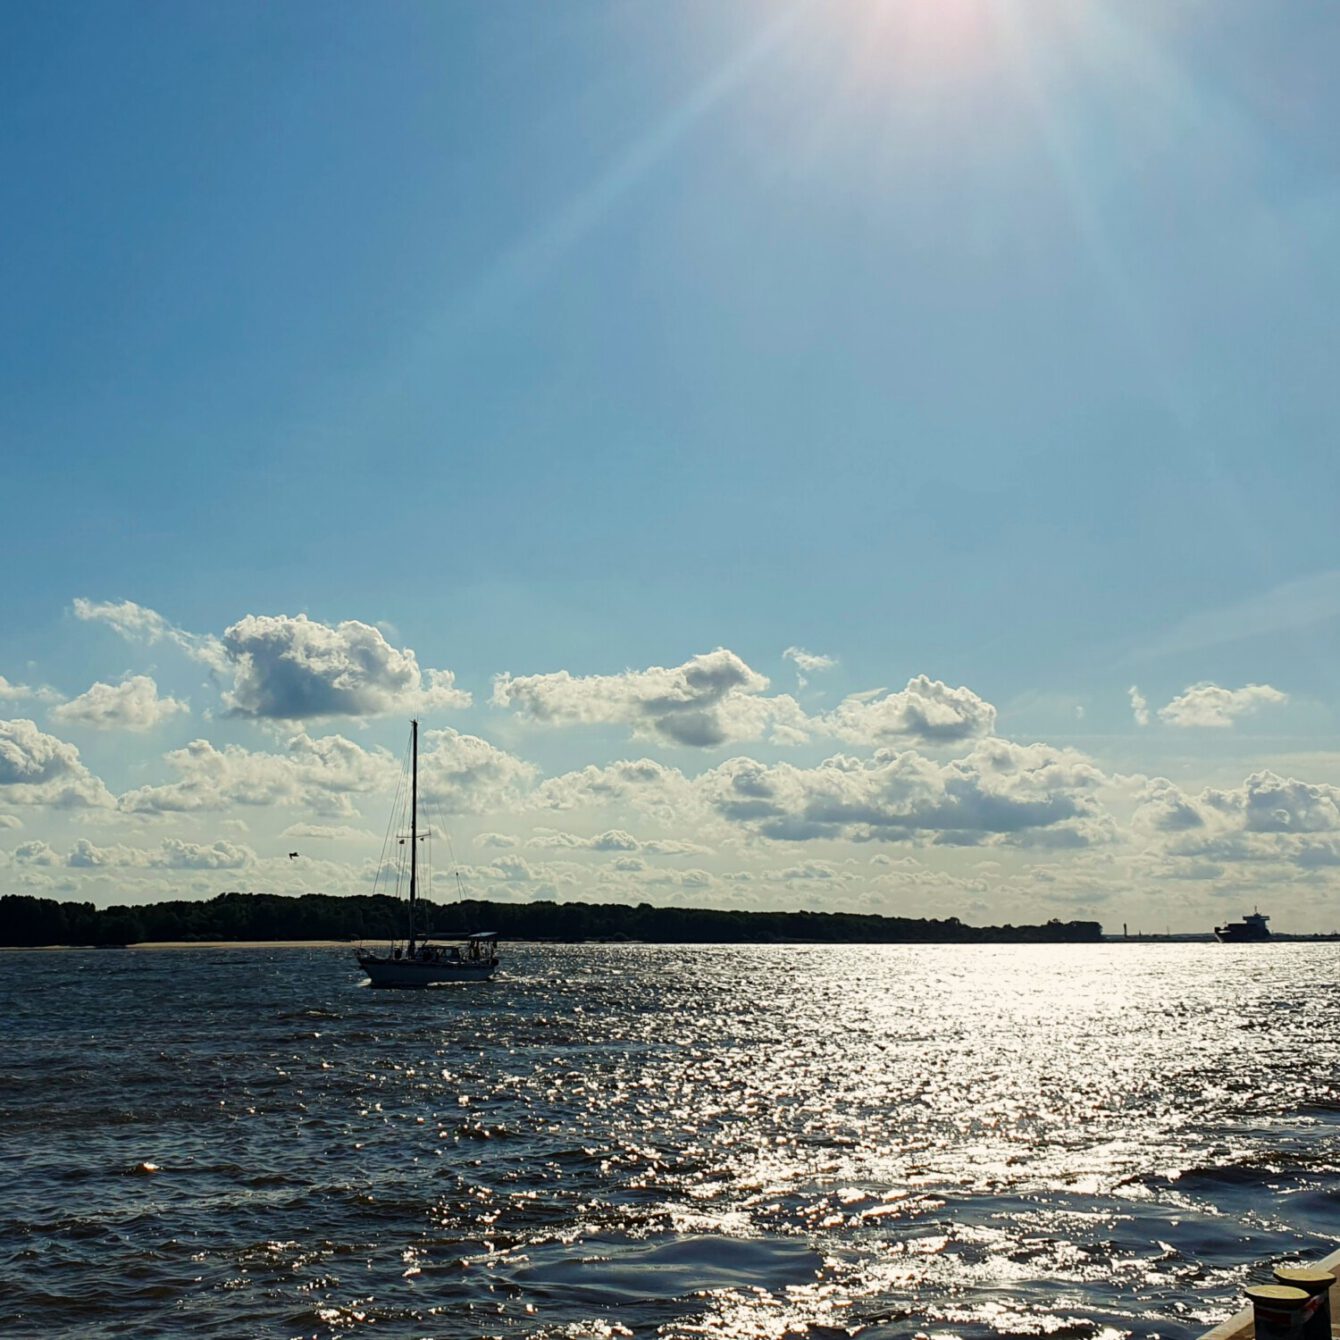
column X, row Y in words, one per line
column 406, row 972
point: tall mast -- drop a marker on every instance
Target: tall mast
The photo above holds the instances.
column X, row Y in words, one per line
column 413, row 827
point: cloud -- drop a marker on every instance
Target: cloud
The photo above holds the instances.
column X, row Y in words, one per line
column 1139, row 706
column 507, row 869
column 1267, row 818
column 135, row 623
column 10, row 821
column 318, row 774
column 215, row 779
column 467, row 775
column 331, row 832
column 171, row 854
column 615, row 840
column 177, row 855
column 291, row 668
column 132, row 705
column 717, row 699
column 809, row 870
column 710, row 700
column 675, row 847
column 1267, row 803
column 13, row 693
column 1209, row 705
column 999, row 788
column 1163, row 808
column 926, row 710
column 496, row 840
column 642, row 782
column 807, row 663
column 39, row 769
column 35, row 853
column 1301, row 603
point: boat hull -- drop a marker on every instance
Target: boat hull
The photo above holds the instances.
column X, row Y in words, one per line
column 1251, row 930
column 411, row 973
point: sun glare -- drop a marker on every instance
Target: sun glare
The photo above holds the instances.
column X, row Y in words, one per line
column 929, row 36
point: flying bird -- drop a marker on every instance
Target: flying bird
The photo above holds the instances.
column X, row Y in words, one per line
column 292, row 854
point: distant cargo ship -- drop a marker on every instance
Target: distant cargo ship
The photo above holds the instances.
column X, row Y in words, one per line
column 1250, row 930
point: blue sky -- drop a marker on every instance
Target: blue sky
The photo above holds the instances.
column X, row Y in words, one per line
column 975, row 340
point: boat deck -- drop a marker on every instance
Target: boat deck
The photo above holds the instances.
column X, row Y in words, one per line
column 1239, row 1325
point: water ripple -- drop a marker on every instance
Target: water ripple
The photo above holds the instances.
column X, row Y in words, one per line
column 613, row 1141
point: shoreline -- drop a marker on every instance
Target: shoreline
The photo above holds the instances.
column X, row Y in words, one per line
column 152, row 945
column 193, row 944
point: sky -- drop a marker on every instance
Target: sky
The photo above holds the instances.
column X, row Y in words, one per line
column 873, row 455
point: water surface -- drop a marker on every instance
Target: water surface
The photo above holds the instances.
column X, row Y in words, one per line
column 743, row 1141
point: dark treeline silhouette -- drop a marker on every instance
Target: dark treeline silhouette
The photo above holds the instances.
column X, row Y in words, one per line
column 319, row 916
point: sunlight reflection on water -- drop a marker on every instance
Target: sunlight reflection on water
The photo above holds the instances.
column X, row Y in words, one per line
column 741, row 1141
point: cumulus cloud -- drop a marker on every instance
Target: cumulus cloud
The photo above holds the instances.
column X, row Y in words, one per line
column 291, row 668
column 501, row 841
column 132, row 705
column 809, row 870
column 320, row 774
column 135, row 623
column 998, row 788
column 35, row 853
column 1139, row 706
column 1267, row 803
column 675, row 847
column 1097, row 830
column 1267, row 818
column 460, row 774
column 467, row 775
column 13, row 693
column 1209, row 705
column 643, row 783
column 214, row 779
column 710, row 700
column 926, row 710
column 330, row 832
column 1163, row 808
column 171, row 854
column 39, row 769
column 615, row 840
column 503, row 869
column 10, row 821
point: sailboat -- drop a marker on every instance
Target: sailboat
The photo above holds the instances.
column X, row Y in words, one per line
column 419, row 962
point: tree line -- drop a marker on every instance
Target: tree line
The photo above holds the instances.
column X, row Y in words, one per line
column 26, row 921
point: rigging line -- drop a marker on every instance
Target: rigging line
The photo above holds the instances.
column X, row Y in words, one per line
column 390, row 823
column 402, row 848
column 427, row 863
column 455, row 864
